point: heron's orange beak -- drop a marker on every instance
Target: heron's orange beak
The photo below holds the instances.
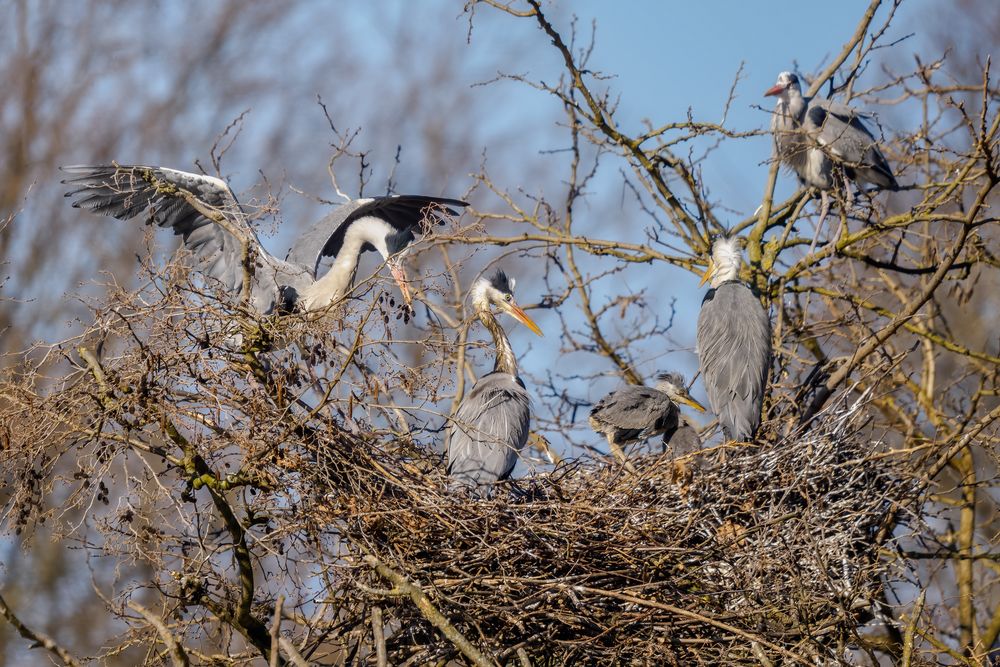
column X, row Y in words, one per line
column 776, row 89
column 396, row 269
column 523, row 318
column 708, row 273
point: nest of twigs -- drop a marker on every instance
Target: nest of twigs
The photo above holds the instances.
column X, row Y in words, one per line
column 745, row 555
column 755, row 554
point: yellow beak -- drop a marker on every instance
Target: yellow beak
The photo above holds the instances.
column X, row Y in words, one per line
column 687, row 400
column 522, row 317
column 708, row 273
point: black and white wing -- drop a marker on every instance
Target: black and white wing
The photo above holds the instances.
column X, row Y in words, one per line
column 634, row 413
column 734, row 344
column 841, row 130
column 129, row 191
column 488, row 431
column 404, row 213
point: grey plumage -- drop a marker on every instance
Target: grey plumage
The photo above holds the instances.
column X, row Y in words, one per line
column 489, row 429
column 490, row 426
column 683, row 440
column 815, row 136
column 635, row 413
column 734, row 344
column 173, row 199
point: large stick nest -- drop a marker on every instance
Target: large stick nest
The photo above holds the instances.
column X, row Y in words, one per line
column 735, row 554
column 754, row 554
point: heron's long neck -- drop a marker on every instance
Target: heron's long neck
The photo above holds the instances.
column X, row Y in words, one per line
column 794, row 106
column 505, row 361
column 727, row 270
column 337, row 281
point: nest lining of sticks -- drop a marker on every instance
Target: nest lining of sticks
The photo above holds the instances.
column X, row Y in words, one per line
column 767, row 552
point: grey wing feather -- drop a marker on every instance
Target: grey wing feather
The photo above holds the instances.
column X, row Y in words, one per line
column 841, row 130
column 403, row 212
column 128, row 191
column 734, row 343
column 489, row 429
column 633, row 413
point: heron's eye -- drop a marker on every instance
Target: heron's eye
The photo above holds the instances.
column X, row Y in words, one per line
column 508, row 297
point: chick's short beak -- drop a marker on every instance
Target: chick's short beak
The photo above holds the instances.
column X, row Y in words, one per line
column 522, row 317
column 708, row 273
column 396, row 269
column 687, row 400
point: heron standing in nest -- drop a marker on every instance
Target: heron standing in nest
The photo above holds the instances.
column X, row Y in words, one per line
column 490, row 427
column 734, row 343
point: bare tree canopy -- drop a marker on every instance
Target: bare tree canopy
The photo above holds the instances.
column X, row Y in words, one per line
column 197, row 475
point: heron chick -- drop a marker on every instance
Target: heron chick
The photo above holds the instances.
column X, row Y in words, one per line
column 734, row 343
column 490, row 426
column 635, row 413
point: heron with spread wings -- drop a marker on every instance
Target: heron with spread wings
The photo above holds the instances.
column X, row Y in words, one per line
column 204, row 211
column 490, row 426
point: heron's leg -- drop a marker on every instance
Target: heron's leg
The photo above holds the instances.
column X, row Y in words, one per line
column 619, row 453
column 680, row 473
column 824, row 210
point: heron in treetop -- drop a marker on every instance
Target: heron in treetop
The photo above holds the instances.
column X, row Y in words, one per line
column 635, row 413
column 824, row 141
column 204, row 211
column 734, row 343
column 490, row 426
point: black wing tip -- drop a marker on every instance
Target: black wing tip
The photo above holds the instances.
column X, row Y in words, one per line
column 883, row 178
column 431, row 199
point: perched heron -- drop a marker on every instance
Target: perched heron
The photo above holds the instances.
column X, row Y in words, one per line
column 734, row 343
column 490, row 427
column 824, row 141
column 214, row 226
column 635, row 413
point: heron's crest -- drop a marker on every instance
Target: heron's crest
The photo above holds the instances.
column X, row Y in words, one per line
column 788, row 79
column 501, row 282
column 728, row 249
column 671, row 378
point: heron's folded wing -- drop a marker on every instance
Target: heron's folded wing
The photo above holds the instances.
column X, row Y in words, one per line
column 488, row 430
column 841, row 130
column 635, row 408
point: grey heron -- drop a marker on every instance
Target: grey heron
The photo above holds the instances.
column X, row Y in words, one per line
column 824, row 141
column 204, row 211
column 635, row 413
column 734, row 343
column 490, row 426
